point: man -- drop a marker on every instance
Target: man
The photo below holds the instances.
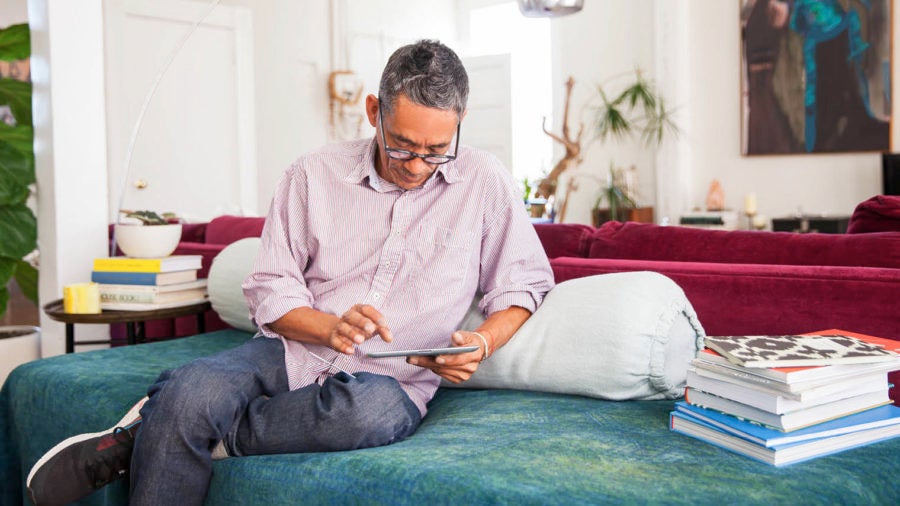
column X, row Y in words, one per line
column 368, row 246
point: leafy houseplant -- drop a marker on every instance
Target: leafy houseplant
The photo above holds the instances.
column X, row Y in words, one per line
column 640, row 110
column 149, row 235
column 18, row 224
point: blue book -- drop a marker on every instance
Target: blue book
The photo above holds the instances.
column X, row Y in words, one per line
column 143, row 278
column 783, row 454
column 881, row 416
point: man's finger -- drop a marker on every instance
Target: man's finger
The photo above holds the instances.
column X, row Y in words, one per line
column 381, row 325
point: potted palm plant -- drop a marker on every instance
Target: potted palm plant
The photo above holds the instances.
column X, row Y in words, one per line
column 18, row 224
column 638, row 110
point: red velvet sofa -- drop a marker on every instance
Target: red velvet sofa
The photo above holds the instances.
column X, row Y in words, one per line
column 739, row 282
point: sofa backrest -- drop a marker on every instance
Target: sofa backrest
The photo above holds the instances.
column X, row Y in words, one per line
column 564, row 239
column 880, row 213
column 228, row 229
column 645, row 241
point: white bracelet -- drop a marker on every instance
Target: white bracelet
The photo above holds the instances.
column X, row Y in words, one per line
column 487, row 349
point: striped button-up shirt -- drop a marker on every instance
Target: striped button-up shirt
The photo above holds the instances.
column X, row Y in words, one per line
column 337, row 234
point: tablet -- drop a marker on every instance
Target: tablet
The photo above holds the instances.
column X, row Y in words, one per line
column 429, row 352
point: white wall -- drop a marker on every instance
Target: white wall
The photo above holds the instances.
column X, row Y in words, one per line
column 703, row 49
column 295, row 51
column 13, row 12
column 70, row 150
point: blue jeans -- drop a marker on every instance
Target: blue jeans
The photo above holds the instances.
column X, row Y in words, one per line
column 240, row 396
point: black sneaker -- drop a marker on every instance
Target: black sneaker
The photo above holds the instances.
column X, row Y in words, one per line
column 84, row 463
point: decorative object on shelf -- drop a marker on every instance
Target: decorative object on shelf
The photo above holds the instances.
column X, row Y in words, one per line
column 572, row 144
column 18, row 224
column 715, row 197
column 345, row 90
column 152, row 236
column 750, row 209
column 816, row 76
column 549, row 8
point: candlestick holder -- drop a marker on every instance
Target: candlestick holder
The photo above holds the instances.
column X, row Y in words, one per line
column 749, row 214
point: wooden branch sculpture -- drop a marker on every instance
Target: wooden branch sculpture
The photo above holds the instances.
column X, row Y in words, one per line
column 572, row 157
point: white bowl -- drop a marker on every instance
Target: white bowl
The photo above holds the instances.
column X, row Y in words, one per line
column 148, row 241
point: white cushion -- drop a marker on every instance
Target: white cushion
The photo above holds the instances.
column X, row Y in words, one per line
column 619, row 336
column 228, row 270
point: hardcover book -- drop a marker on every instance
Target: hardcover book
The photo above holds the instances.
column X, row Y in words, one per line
column 794, row 420
column 777, row 402
column 162, row 264
column 140, row 306
column 197, row 294
column 151, row 289
column 782, row 454
column 797, row 379
column 882, row 416
column 797, row 350
column 143, row 278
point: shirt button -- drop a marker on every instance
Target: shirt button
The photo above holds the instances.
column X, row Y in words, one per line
column 376, row 296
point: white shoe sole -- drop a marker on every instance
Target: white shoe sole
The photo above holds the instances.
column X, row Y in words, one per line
column 133, row 414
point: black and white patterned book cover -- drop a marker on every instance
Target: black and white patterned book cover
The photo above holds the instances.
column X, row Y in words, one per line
column 797, row 351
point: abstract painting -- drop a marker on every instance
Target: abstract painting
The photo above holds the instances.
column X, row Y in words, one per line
column 815, row 76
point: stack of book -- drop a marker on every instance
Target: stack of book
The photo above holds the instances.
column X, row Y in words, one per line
column 786, row 399
column 140, row 284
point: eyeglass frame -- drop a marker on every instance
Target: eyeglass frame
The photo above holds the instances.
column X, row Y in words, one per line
column 406, row 156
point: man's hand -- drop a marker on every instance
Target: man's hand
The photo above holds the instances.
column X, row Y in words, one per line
column 359, row 323
column 454, row 368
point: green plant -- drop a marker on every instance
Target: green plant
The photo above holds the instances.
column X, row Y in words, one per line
column 151, row 217
column 616, row 194
column 18, row 224
column 639, row 109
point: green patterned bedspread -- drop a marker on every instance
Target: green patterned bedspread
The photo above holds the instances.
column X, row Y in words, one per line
column 474, row 447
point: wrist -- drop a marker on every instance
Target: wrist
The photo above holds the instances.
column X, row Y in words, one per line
column 482, row 336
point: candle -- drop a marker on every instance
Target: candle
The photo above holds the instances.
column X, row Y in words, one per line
column 81, row 298
column 750, row 203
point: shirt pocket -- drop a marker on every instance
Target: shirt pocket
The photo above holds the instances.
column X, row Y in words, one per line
column 444, row 256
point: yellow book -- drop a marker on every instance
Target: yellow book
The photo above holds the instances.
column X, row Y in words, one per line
column 164, row 264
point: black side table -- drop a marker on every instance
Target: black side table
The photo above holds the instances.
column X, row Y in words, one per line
column 133, row 320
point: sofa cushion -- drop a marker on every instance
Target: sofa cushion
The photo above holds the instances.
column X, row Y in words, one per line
column 228, row 271
column 880, row 213
column 621, row 336
column 646, row 241
column 564, row 240
column 228, row 229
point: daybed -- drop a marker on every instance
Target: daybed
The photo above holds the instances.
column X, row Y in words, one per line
column 505, row 446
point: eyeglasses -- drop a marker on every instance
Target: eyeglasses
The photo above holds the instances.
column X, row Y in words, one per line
column 402, row 154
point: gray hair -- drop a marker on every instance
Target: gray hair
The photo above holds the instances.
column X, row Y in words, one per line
column 428, row 73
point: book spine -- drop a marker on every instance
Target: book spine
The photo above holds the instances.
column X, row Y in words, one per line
column 127, row 289
column 144, row 298
column 124, row 278
column 127, row 264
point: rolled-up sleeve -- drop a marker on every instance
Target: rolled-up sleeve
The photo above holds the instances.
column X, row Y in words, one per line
column 514, row 267
column 276, row 284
